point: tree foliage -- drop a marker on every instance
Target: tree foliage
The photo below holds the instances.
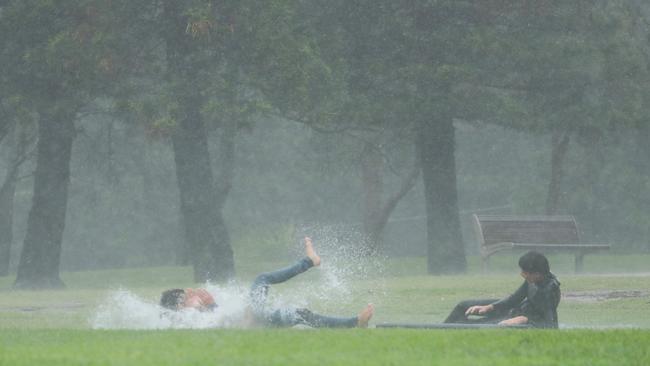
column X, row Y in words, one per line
column 396, row 76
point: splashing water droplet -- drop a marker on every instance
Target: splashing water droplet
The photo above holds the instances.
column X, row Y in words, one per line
column 345, row 261
column 125, row 310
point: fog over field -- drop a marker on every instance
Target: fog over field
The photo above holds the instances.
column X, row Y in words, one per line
column 410, row 140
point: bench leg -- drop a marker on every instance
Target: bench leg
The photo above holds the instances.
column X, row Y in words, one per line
column 578, row 262
column 486, row 264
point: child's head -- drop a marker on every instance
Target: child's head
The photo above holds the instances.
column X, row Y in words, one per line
column 177, row 298
column 534, row 266
column 172, row 299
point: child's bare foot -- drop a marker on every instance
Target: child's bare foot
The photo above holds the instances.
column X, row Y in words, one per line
column 311, row 253
column 365, row 315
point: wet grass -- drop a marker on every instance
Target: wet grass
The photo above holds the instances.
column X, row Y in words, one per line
column 324, row 347
column 52, row 327
column 399, row 291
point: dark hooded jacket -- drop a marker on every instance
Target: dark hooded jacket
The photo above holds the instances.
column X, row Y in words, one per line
column 538, row 302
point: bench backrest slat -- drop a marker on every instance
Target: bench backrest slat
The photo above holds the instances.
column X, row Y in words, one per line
column 492, row 229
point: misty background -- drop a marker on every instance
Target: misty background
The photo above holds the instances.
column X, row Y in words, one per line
column 202, row 131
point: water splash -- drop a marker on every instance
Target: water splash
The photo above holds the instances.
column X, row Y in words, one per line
column 346, row 263
column 124, row 310
column 331, row 287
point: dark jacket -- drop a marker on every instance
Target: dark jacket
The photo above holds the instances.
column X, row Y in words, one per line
column 538, row 302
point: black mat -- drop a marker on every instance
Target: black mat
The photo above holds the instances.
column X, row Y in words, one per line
column 450, row 326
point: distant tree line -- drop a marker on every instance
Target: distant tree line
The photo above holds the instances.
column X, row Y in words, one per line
column 130, row 92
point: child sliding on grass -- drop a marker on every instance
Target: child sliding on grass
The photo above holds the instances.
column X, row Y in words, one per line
column 201, row 300
column 534, row 303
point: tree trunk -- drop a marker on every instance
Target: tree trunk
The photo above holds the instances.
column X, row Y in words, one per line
column 643, row 164
column 39, row 260
column 225, row 159
column 436, row 145
column 594, row 217
column 205, row 228
column 377, row 211
column 182, row 253
column 372, row 178
column 163, row 231
column 642, row 157
column 7, row 192
column 560, row 144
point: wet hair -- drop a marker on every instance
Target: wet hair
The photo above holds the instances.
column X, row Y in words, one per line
column 534, row 262
column 171, row 299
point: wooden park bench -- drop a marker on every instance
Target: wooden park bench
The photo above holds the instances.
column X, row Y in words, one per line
column 542, row 233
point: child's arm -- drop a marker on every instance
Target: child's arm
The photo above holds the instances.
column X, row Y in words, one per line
column 515, row 321
column 513, row 300
column 479, row 309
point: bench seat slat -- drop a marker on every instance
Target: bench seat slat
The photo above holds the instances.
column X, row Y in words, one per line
column 497, row 247
column 562, row 246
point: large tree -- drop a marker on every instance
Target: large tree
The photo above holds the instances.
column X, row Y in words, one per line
column 399, row 62
column 580, row 70
column 437, row 53
column 21, row 138
column 368, row 115
column 227, row 62
column 57, row 57
column 186, row 54
column 573, row 74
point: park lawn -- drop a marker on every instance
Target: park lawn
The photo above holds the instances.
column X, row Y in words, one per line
column 399, row 291
column 324, row 347
column 602, row 316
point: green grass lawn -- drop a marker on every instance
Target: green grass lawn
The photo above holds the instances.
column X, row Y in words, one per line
column 603, row 315
column 324, row 347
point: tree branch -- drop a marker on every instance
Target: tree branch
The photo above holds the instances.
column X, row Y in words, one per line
column 407, row 184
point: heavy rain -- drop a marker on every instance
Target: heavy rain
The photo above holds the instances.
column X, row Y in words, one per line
column 241, row 171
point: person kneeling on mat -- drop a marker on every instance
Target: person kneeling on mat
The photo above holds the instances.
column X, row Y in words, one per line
column 534, row 303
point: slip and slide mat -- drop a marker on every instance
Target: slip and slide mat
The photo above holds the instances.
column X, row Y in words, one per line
column 450, row 326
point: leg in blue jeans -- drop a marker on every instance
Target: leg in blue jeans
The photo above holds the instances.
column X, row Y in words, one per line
column 290, row 317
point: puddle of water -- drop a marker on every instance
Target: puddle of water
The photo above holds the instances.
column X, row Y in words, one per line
column 602, row 295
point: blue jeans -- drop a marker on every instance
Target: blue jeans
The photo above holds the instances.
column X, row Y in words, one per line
column 289, row 316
